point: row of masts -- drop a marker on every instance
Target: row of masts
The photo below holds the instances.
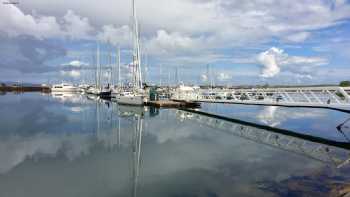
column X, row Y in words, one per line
column 113, row 69
column 136, row 81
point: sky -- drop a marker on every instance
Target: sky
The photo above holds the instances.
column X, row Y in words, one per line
column 229, row 42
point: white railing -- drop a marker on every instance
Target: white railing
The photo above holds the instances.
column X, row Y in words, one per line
column 332, row 97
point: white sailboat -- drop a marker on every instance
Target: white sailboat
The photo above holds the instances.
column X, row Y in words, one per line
column 116, row 90
column 136, row 95
column 99, row 89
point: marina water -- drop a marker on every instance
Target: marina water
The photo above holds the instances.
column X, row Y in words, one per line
column 73, row 145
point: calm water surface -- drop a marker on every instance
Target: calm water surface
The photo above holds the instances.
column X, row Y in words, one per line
column 71, row 145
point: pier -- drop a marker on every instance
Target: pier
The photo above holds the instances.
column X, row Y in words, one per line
column 173, row 104
column 331, row 97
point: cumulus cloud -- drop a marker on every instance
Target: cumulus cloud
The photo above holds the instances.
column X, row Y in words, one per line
column 182, row 31
column 75, row 63
column 229, row 22
column 76, row 27
column 117, row 36
column 72, row 73
column 275, row 60
column 171, row 43
column 269, row 59
column 14, row 22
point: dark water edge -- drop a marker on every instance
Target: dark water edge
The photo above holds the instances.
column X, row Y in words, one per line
column 71, row 145
column 312, row 121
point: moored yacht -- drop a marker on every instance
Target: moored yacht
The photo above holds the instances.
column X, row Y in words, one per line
column 64, row 87
column 136, row 96
column 84, row 87
column 102, row 92
column 130, row 98
column 99, row 89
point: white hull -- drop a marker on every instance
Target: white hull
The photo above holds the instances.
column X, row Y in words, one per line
column 95, row 91
column 115, row 92
column 130, row 100
column 73, row 89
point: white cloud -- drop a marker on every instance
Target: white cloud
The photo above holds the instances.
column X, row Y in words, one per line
column 171, row 43
column 75, row 63
column 117, row 36
column 14, row 23
column 72, row 73
column 269, row 59
column 181, row 32
column 172, row 27
column 76, row 27
column 276, row 60
column 298, row 37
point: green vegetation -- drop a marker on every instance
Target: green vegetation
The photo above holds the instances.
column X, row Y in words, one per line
column 344, row 84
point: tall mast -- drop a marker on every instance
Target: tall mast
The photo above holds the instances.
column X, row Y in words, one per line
column 160, row 75
column 98, row 67
column 111, row 69
column 119, row 81
column 136, row 51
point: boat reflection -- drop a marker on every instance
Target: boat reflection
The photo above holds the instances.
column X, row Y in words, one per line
column 67, row 97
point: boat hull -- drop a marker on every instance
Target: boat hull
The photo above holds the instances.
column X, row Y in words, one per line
column 130, row 100
column 102, row 94
column 65, row 90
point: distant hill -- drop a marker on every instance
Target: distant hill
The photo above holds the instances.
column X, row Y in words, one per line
column 11, row 83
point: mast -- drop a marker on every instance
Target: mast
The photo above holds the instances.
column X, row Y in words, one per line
column 177, row 75
column 137, row 143
column 111, row 69
column 137, row 78
column 160, row 75
column 93, row 61
column 119, row 81
column 98, row 68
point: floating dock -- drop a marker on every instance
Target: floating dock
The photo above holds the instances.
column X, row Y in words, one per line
column 173, row 104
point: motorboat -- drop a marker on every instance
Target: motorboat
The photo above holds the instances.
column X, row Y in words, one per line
column 64, row 87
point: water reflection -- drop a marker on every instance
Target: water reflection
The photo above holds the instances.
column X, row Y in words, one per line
column 311, row 121
column 73, row 143
column 318, row 150
column 104, row 149
column 274, row 116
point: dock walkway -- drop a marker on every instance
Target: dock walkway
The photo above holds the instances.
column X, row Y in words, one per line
column 172, row 104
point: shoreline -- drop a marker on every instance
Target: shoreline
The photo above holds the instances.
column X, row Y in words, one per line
column 25, row 89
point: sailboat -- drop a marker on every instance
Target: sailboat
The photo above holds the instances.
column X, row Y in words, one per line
column 136, row 95
column 117, row 87
column 99, row 89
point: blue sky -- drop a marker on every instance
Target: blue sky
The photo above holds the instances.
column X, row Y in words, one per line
column 249, row 42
